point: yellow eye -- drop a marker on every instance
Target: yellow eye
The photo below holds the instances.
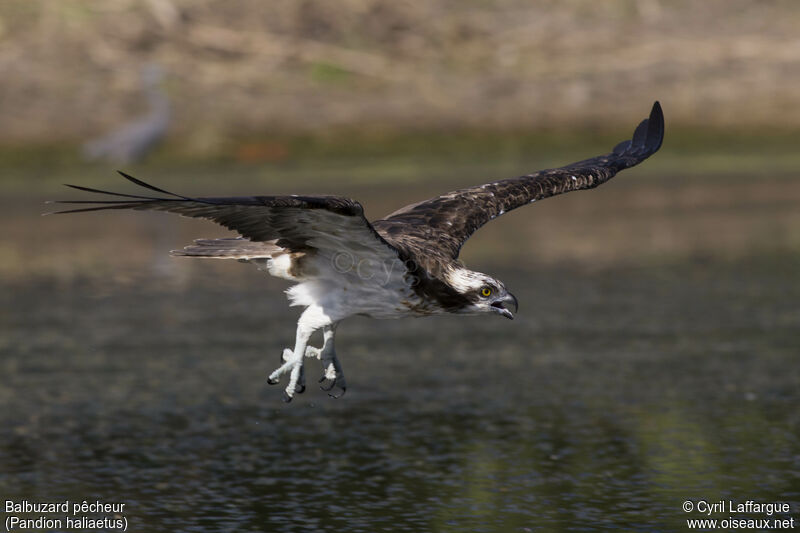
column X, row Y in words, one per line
column 486, row 291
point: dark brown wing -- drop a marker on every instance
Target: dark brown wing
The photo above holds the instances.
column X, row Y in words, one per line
column 296, row 223
column 441, row 225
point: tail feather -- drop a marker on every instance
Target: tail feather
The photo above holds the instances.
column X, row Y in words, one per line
column 230, row 248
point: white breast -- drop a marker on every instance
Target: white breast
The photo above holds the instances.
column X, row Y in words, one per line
column 354, row 285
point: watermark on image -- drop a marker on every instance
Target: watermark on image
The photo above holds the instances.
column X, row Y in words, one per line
column 732, row 514
column 380, row 271
column 64, row 515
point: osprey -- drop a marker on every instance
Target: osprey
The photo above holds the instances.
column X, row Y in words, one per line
column 404, row 265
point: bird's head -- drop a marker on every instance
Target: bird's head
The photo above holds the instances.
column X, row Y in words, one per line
column 485, row 294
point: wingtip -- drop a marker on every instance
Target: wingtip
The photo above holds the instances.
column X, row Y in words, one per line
column 50, row 202
column 647, row 137
column 141, row 183
column 48, row 213
column 657, row 114
column 128, row 177
column 655, row 128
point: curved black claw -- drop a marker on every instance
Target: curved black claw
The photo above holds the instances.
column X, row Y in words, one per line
column 299, row 388
column 326, row 387
column 286, row 397
column 271, row 381
column 337, row 396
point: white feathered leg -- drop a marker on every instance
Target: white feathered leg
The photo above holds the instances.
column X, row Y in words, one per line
column 312, row 319
column 333, row 375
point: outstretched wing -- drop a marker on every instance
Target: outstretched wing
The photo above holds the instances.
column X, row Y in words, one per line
column 444, row 223
column 326, row 225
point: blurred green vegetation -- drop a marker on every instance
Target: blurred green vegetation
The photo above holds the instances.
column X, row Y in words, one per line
column 449, row 159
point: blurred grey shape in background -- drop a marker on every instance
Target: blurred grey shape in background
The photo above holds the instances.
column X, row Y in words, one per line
column 131, row 142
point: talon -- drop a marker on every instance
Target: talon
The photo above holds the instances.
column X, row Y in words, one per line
column 337, row 396
column 286, row 397
column 275, row 381
column 299, row 388
column 328, row 387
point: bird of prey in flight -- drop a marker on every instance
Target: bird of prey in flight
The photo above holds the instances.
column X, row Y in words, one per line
column 403, row 265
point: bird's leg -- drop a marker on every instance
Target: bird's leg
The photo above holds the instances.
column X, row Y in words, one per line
column 312, row 319
column 332, row 380
column 301, row 381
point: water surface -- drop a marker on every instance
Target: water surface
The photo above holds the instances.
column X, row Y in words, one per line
column 621, row 390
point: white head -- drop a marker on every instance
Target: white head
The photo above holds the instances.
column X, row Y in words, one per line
column 486, row 294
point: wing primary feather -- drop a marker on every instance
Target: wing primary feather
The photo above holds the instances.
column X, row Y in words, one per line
column 640, row 134
column 145, row 200
column 100, row 191
column 655, row 128
column 139, row 182
column 125, row 205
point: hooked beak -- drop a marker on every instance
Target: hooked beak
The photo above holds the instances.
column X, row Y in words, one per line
column 503, row 304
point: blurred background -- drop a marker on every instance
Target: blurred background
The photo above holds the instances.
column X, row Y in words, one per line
column 654, row 359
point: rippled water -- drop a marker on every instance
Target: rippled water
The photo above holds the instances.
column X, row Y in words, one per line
column 661, row 367
column 615, row 396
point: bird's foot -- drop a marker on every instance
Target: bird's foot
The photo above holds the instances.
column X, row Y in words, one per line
column 333, row 381
column 287, row 365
